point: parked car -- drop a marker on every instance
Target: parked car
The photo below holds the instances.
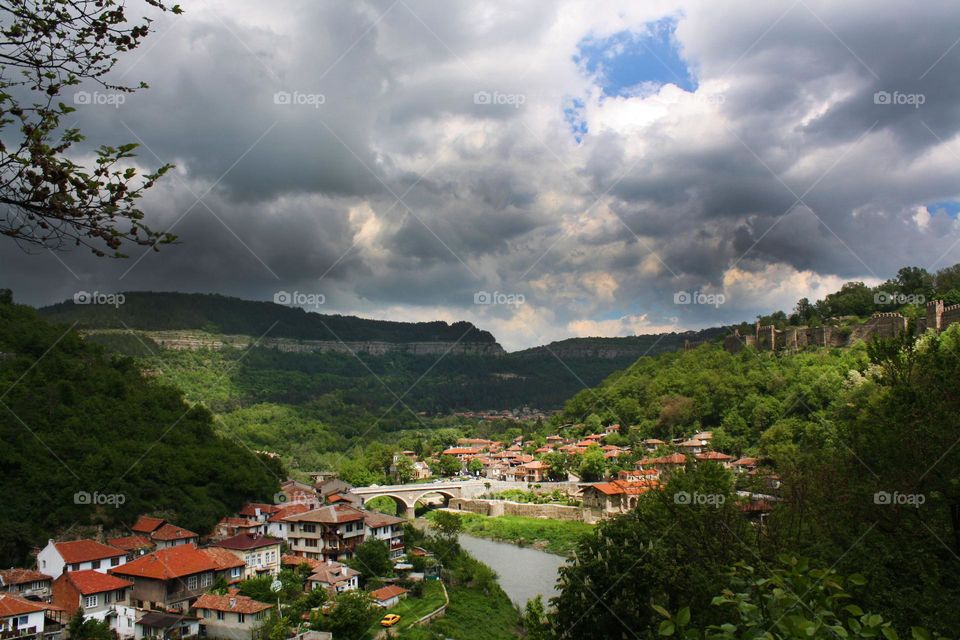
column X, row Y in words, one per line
column 389, row 620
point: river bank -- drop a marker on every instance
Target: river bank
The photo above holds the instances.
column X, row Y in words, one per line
column 557, row 537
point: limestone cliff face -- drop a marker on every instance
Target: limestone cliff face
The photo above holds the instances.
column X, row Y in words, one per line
column 196, row 341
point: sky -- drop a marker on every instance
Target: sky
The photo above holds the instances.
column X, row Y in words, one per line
column 544, row 169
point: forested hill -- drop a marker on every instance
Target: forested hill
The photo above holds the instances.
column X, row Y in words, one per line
column 158, row 311
column 75, row 422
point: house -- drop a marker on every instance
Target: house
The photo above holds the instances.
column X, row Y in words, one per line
column 421, row 470
column 330, row 532
column 693, row 446
column 229, row 527
column 258, row 511
column 260, row 554
column 714, row 456
column 297, row 492
column 335, row 577
column 231, row 616
column 277, row 526
column 637, row 475
column 164, row 534
column 389, row 529
column 166, row 626
column 652, row 444
column 99, row 596
column 664, row 464
column 77, row 555
column 27, row 620
column 25, row 583
column 135, row 546
column 744, row 465
column 388, row 596
column 534, row 471
column 172, row 578
column 618, row 496
column 463, row 454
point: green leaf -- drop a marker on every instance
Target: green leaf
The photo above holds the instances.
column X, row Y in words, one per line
column 661, row 611
column 889, row 633
column 667, row 628
column 857, row 579
column 683, row 617
column 919, row 633
column 853, row 610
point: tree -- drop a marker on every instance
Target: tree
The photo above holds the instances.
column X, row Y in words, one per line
column 535, row 623
column 559, row 464
column 593, row 465
column 475, row 467
column 449, row 466
column 448, row 525
column 351, row 617
column 403, row 469
column 48, row 199
column 88, row 629
column 372, row 559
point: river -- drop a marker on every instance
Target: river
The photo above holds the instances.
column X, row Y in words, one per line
column 522, row 572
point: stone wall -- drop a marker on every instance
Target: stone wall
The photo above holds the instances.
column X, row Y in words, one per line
column 494, row 508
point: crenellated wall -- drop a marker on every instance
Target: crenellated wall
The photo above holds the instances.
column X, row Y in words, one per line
column 880, row 325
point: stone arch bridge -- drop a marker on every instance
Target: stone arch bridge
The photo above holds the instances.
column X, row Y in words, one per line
column 407, row 495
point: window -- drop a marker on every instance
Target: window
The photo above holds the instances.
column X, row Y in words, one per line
column 37, row 585
column 240, row 617
column 74, row 567
column 44, row 564
column 22, row 621
column 192, row 582
column 106, row 597
column 90, row 601
column 310, row 542
column 114, row 562
column 310, row 528
column 206, row 580
column 235, row 572
column 95, row 564
column 219, row 615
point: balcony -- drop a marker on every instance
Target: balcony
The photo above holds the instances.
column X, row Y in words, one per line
column 22, row 632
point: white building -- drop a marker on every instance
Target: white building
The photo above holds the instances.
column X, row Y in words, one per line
column 78, row 555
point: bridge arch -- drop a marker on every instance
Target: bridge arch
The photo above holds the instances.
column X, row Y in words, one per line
column 404, row 508
column 448, row 495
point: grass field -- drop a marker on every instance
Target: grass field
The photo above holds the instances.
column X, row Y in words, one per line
column 553, row 536
column 411, row 609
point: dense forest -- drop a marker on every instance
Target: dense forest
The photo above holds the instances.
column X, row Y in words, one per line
column 88, row 439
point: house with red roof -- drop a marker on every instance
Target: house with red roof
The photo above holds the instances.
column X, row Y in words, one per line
column 277, row 525
column 230, row 616
column 230, row 526
column 172, row 578
column 387, row 528
column 388, row 596
column 335, row 577
column 333, row 532
column 28, row 620
column 164, row 534
column 78, row 555
column 135, row 546
column 617, row 496
column 534, row 471
column 714, row 456
column 25, row 582
column 98, row 596
column 260, row 554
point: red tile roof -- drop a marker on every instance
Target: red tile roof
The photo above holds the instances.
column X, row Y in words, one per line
column 175, row 562
column 296, row 561
column 632, row 488
column 172, row 532
column 86, row 550
column 374, row 519
column 147, row 524
column 461, row 451
column 331, row 514
column 230, row 602
column 131, row 543
column 246, row 541
column 676, row 458
column 745, row 462
column 289, row 510
column 11, row 605
column 250, row 509
column 222, row 559
column 21, row 576
column 713, row 456
column 91, row 581
column 390, row 591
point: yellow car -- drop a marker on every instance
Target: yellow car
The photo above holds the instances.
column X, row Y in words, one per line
column 389, row 620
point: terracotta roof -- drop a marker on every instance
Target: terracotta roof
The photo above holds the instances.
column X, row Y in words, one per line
column 460, row 451
column 536, row 464
column 230, row 602
column 250, row 509
column 375, row 519
column 166, row 564
column 295, row 561
column 172, row 532
column 332, row 573
column 86, row 550
column 131, row 543
column 331, row 514
column 289, row 510
column 713, row 455
column 653, row 441
column 147, row 524
column 390, row 591
column 745, row 462
column 336, row 497
column 91, row 581
column 676, row 458
column 21, row 576
column 11, row 605
column 245, row 541
column 627, row 487
column 222, row 559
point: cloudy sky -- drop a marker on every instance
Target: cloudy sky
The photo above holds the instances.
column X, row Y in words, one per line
column 586, row 161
